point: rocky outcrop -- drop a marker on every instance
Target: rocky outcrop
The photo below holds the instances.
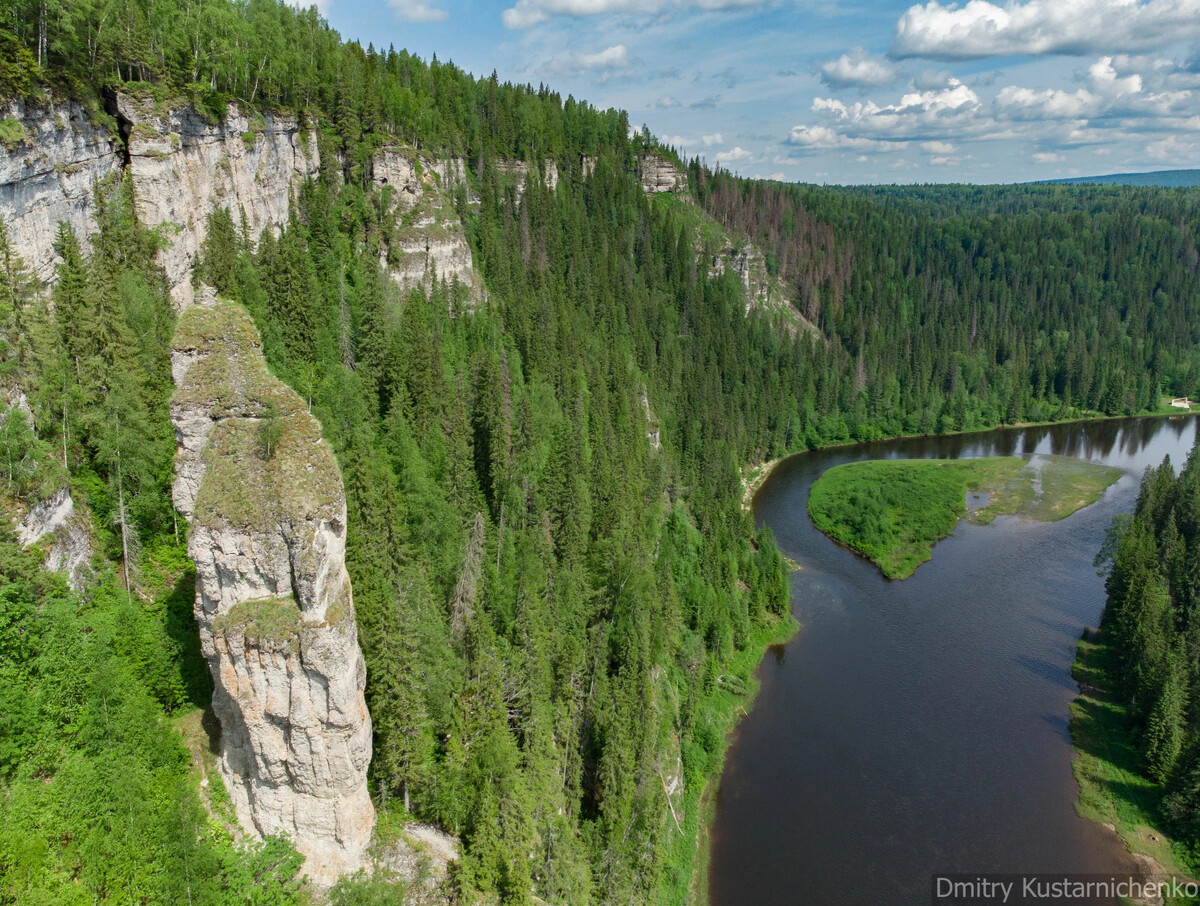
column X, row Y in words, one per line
column 70, row 548
column 762, row 291
column 273, row 599
column 653, row 430
column 49, row 177
column 517, row 173
column 185, row 167
column 427, row 242
column 657, row 174
column 747, row 262
column 54, row 517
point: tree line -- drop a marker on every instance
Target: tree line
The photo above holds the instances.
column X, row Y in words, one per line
column 553, row 609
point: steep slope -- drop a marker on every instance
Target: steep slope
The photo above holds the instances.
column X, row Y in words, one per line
column 273, row 599
column 49, row 177
column 185, row 164
column 427, row 242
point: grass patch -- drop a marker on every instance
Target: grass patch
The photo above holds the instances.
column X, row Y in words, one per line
column 271, row 621
column 1066, row 485
column 1112, row 789
column 12, row 132
column 893, row 511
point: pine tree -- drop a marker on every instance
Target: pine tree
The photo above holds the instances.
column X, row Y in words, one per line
column 1163, row 739
column 219, row 253
column 17, row 288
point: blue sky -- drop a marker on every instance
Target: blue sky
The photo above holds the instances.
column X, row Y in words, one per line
column 817, row 91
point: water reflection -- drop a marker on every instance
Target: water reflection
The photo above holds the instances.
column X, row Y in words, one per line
column 921, row 726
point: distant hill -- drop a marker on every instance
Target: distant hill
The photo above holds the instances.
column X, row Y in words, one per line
column 1171, row 179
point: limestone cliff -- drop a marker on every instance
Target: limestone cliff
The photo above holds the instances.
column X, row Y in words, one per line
column 657, row 174
column 427, row 240
column 50, row 518
column 273, row 599
column 517, row 172
column 49, row 176
column 747, row 262
column 185, row 167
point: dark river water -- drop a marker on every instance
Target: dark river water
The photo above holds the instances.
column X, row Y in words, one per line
column 920, row 727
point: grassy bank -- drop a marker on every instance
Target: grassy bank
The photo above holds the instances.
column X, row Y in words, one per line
column 687, row 875
column 1113, row 791
column 893, row 511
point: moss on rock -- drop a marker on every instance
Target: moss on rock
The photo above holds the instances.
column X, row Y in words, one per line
column 267, row 622
column 244, row 487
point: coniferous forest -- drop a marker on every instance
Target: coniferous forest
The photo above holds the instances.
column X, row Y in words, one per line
column 558, row 611
column 1145, row 658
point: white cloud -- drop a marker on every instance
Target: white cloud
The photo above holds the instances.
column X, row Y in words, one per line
column 983, row 29
column 1111, row 92
column 939, row 147
column 614, row 57
column 416, row 11
column 858, row 69
column 1019, row 103
column 601, row 64
column 666, row 101
column 527, row 13
column 919, row 114
column 1048, row 157
column 823, row 138
column 321, row 5
column 733, row 155
column 1174, row 150
column 679, row 141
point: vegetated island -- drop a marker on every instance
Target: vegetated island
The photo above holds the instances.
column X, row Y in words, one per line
column 893, row 511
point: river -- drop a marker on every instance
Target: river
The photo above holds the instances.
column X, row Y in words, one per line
column 920, row 726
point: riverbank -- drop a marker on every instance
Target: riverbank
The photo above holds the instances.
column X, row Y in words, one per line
column 1113, row 791
column 893, row 511
column 687, row 874
column 755, row 475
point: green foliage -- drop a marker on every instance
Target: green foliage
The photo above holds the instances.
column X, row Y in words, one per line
column 270, row 431
column 96, row 799
column 895, row 510
column 16, row 78
column 12, row 131
column 1149, row 630
column 558, row 616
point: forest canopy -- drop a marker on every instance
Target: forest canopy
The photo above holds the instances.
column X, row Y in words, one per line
column 560, row 595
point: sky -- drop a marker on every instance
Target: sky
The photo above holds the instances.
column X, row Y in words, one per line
column 846, row 92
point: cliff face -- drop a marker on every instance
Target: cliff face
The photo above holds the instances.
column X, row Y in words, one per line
column 273, row 599
column 184, row 168
column 660, row 175
column 49, row 177
column 747, row 262
column 517, row 171
column 428, row 241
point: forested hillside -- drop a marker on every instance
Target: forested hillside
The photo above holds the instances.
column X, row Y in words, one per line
column 1147, row 655
column 955, row 307
column 559, row 593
